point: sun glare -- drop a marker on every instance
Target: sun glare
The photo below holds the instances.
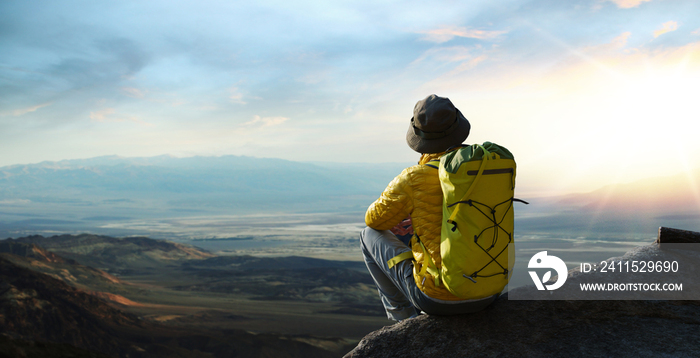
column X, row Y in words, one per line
column 617, row 120
column 653, row 122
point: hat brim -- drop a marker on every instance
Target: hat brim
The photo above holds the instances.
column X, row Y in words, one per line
column 457, row 137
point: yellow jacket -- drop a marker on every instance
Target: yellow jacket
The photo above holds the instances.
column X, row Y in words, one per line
column 416, row 192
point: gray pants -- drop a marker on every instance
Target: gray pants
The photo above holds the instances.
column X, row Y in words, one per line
column 397, row 288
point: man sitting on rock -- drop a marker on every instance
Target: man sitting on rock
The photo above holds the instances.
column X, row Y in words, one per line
column 436, row 127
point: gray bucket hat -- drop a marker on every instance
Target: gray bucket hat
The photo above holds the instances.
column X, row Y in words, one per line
column 436, row 125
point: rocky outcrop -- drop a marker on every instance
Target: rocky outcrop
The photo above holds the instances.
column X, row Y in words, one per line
column 551, row 328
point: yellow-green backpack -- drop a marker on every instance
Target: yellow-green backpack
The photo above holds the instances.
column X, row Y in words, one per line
column 476, row 244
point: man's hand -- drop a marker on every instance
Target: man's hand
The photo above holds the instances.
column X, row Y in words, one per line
column 403, row 228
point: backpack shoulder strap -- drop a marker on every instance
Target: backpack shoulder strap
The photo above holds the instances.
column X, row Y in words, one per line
column 485, row 157
column 435, row 163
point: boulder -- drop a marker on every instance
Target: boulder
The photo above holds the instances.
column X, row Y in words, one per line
column 550, row 328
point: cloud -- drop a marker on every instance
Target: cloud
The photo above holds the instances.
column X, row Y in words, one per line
column 696, row 32
column 101, row 116
column 666, row 27
column 445, row 54
column 617, row 43
column 236, row 96
column 15, row 202
column 23, row 111
column 266, row 121
column 467, row 65
column 125, row 54
column 628, row 4
column 448, row 33
column 108, row 115
column 134, row 92
column 103, row 62
column 620, row 41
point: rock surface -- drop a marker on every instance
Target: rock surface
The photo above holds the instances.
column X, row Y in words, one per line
column 539, row 328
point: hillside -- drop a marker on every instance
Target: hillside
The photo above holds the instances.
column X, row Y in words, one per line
column 189, row 269
column 34, row 306
column 118, row 255
column 183, row 286
column 37, row 307
column 35, row 257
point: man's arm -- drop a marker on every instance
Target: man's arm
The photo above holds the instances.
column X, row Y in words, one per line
column 393, row 206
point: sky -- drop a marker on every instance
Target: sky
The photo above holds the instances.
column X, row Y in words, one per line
column 584, row 93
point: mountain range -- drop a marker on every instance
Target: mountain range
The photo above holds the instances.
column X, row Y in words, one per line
column 195, row 182
column 83, row 194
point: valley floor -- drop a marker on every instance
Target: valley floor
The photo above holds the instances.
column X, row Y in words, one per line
column 246, row 312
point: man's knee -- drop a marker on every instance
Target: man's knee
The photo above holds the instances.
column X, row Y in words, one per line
column 363, row 239
column 369, row 236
